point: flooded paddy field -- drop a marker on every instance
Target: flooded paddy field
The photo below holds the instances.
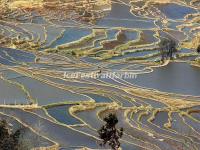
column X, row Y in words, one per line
column 64, row 66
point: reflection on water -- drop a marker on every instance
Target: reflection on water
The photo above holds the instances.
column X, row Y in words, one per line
column 176, row 78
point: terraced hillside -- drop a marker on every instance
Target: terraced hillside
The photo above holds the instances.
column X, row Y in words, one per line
column 58, row 58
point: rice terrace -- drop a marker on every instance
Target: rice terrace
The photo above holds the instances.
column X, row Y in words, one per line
column 99, row 74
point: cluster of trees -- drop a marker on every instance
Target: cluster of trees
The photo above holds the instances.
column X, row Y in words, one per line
column 109, row 133
column 167, row 48
column 9, row 140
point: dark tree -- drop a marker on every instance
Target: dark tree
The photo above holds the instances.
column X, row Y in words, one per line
column 109, row 133
column 167, row 48
column 198, row 49
column 73, row 53
column 9, row 140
